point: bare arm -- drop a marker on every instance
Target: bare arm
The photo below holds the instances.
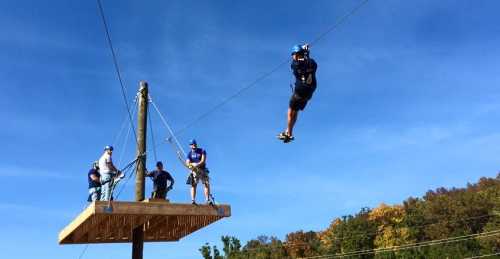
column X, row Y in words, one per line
column 94, row 178
column 112, row 166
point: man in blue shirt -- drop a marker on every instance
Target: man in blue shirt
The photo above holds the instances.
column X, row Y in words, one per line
column 160, row 179
column 94, row 179
column 304, row 69
column 196, row 161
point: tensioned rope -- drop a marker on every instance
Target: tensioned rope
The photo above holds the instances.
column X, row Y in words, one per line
column 339, row 22
column 173, row 137
column 410, row 246
column 153, row 142
column 117, row 67
column 127, row 137
column 483, row 256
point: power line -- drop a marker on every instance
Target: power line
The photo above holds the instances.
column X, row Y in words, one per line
column 483, row 256
column 339, row 22
column 410, row 246
column 117, row 68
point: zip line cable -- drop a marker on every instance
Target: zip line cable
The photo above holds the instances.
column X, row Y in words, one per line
column 483, row 256
column 172, row 134
column 127, row 138
column 339, row 22
column 153, row 142
column 410, row 246
column 126, row 180
column 122, row 127
column 117, row 68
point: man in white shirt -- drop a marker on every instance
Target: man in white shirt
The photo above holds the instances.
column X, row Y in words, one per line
column 108, row 172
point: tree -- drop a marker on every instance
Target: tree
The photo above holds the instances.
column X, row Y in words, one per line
column 390, row 229
column 206, row 252
column 302, row 244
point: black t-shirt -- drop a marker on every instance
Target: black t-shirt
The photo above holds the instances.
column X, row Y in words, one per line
column 305, row 75
column 93, row 184
column 160, row 179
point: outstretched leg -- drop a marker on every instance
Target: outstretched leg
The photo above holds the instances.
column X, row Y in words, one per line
column 292, row 118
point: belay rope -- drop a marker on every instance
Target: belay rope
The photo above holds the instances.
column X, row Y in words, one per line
column 114, row 183
column 181, row 154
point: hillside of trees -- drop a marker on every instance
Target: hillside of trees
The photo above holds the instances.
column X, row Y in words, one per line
column 444, row 223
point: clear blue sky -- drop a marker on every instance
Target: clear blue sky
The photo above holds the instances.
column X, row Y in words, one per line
column 407, row 101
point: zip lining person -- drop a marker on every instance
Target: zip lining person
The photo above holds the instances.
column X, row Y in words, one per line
column 196, row 161
column 304, row 69
column 162, row 182
column 94, row 179
column 110, row 175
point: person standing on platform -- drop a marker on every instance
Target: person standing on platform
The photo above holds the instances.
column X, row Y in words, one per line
column 196, row 161
column 94, row 179
column 160, row 179
column 108, row 173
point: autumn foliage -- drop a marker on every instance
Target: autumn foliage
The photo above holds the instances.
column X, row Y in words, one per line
column 439, row 214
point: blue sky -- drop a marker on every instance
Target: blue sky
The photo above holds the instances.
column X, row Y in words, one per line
column 407, row 101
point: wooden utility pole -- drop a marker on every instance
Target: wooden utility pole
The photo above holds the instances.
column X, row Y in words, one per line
column 138, row 232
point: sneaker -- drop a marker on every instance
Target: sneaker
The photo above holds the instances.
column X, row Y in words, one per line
column 285, row 137
column 210, row 203
column 282, row 136
column 193, row 202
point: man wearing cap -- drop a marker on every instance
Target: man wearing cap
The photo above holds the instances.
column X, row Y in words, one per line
column 108, row 172
column 196, row 161
column 94, row 179
column 160, row 179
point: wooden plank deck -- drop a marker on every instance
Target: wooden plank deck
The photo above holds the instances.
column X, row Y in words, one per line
column 163, row 221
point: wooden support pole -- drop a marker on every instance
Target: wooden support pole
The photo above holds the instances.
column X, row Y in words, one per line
column 138, row 232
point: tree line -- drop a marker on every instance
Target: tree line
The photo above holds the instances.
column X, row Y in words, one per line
column 391, row 231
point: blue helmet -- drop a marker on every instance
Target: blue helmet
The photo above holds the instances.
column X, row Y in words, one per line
column 192, row 142
column 296, row 49
column 108, row 148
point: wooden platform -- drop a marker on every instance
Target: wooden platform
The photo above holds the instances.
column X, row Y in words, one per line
column 163, row 221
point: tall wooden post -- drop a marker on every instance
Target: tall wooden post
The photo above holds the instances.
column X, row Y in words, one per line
column 138, row 233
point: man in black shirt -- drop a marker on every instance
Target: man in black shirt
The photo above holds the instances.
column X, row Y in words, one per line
column 160, row 179
column 94, row 179
column 304, row 69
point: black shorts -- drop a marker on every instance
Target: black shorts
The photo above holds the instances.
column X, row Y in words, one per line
column 299, row 102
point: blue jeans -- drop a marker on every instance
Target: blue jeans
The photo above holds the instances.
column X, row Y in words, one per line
column 106, row 180
column 94, row 194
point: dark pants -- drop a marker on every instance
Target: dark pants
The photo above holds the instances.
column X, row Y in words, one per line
column 159, row 194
